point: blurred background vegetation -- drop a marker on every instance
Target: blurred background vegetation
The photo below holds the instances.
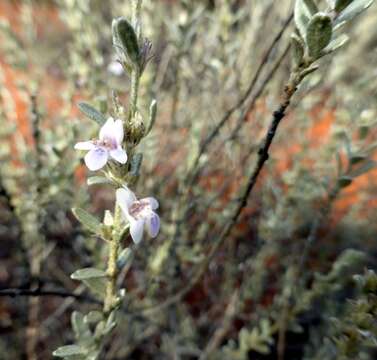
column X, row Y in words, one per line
column 294, row 280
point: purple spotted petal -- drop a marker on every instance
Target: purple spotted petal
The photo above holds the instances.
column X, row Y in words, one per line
column 153, row 224
column 96, row 158
column 119, row 155
column 136, row 230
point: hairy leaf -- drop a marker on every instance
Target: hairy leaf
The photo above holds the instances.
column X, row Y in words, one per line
column 319, row 34
column 92, row 113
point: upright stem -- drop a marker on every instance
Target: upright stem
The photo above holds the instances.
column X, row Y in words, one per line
column 135, row 81
column 112, row 271
column 135, row 75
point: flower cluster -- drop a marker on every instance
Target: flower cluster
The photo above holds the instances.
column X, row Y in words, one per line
column 140, row 214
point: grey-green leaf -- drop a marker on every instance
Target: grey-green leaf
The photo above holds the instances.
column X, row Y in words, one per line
column 341, row 5
column 124, row 257
column 136, row 161
column 298, row 49
column 69, row 350
column 302, row 16
column 124, row 33
column 97, row 286
column 88, row 221
column 152, row 115
column 88, row 273
column 311, row 5
column 93, row 278
column 92, row 113
column 336, row 43
column 352, row 10
column 98, row 180
column 319, row 34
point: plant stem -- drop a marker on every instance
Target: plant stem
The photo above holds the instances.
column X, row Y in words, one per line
column 135, row 74
column 112, row 270
column 135, row 81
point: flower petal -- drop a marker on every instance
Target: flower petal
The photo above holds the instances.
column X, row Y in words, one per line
column 96, row 158
column 125, row 198
column 119, row 155
column 136, row 230
column 108, row 130
column 153, row 224
column 119, row 132
column 151, row 201
column 85, row 145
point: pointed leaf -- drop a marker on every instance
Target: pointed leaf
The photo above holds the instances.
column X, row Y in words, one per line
column 298, row 49
column 97, row 286
column 69, row 350
column 311, row 5
column 124, row 35
column 92, row 113
column 302, row 15
column 319, row 34
column 340, row 5
column 98, row 180
column 88, row 221
column 352, row 10
column 93, row 317
column 336, row 43
column 88, row 273
column 136, row 161
column 124, row 258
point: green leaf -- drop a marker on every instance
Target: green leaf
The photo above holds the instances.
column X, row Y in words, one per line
column 302, row 16
column 92, row 113
column 93, row 317
column 78, row 325
column 336, row 43
column 97, row 286
column 124, row 258
column 88, row 273
column 110, row 323
column 136, row 161
column 319, row 34
column 352, row 10
column 88, row 221
column 298, row 49
column 69, row 350
column 124, row 36
column 311, row 5
column 152, row 115
column 93, row 278
column 341, row 5
column 98, row 180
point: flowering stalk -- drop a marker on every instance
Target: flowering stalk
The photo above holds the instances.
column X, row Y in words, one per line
column 111, row 153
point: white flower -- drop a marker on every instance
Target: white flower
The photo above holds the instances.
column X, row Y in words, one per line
column 139, row 213
column 108, row 145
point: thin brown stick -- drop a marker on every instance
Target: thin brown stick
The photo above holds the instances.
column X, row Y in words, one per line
column 263, row 155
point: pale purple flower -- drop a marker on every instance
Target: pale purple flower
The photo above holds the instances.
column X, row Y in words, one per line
column 108, row 146
column 139, row 213
column 115, row 68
